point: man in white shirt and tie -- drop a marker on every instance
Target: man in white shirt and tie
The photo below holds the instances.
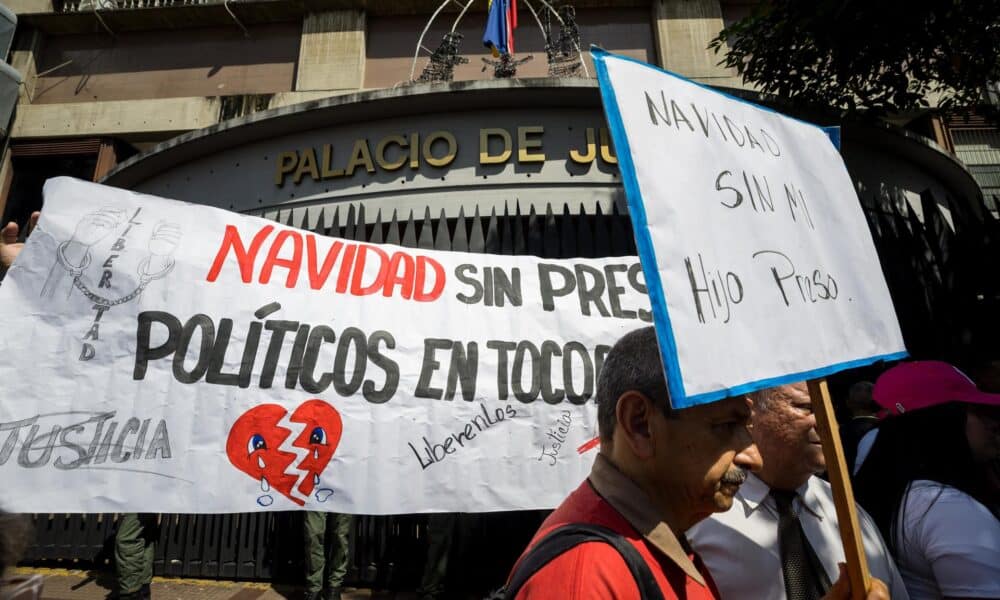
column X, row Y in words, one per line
column 781, row 539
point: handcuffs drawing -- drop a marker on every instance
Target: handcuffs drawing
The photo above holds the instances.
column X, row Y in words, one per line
column 145, row 277
column 162, row 244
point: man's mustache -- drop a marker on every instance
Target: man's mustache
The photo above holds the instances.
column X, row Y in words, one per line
column 735, row 476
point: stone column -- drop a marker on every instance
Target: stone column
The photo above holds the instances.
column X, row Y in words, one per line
column 683, row 30
column 332, row 51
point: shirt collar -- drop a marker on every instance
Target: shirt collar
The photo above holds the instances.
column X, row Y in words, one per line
column 810, row 498
column 755, row 492
column 634, row 505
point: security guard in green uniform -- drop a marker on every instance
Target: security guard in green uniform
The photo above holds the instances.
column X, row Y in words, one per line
column 134, row 546
column 327, row 552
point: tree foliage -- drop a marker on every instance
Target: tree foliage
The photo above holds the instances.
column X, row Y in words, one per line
column 877, row 56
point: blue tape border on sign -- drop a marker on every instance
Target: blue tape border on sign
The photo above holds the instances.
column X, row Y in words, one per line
column 833, row 132
column 644, row 243
column 647, row 257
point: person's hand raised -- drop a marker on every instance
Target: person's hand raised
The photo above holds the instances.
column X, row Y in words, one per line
column 9, row 246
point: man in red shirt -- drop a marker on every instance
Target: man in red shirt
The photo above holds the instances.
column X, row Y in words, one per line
column 659, row 471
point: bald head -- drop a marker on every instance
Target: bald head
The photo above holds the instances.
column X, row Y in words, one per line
column 784, row 429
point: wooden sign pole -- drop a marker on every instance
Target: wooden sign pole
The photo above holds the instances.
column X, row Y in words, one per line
column 843, row 494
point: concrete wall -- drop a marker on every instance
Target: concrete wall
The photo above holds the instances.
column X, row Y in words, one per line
column 683, row 30
column 143, row 85
column 214, row 61
column 23, row 7
column 120, row 117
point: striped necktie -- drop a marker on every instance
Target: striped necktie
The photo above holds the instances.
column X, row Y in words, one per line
column 799, row 564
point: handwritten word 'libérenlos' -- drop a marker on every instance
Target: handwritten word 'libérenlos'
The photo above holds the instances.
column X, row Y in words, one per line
column 717, row 291
column 399, row 274
column 433, row 453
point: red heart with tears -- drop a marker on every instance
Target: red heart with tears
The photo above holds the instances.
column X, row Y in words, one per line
column 286, row 453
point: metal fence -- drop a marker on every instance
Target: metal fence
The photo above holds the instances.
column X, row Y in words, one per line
column 942, row 269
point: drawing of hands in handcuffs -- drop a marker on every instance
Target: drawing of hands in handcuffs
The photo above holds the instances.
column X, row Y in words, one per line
column 74, row 255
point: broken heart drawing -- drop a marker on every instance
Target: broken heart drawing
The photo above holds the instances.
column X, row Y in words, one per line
column 286, row 452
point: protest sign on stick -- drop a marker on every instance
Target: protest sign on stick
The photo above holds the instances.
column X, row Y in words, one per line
column 164, row 357
column 760, row 266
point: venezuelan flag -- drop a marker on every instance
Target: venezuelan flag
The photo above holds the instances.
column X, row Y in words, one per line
column 500, row 24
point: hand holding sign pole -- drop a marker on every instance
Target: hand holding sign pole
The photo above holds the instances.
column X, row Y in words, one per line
column 750, row 235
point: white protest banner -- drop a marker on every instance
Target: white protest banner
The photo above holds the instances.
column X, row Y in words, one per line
column 163, row 357
column 760, row 265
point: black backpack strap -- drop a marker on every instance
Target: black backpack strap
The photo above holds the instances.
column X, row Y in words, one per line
column 568, row 536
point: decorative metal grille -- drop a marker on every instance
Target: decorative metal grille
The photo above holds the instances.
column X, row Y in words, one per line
column 444, row 59
column 72, row 6
column 563, row 49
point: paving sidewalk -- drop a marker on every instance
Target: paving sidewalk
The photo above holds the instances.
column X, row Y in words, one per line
column 65, row 584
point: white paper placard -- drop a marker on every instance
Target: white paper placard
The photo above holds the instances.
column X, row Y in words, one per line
column 165, row 357
column 760, row 264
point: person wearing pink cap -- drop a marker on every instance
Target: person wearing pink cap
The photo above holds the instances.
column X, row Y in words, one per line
column 931, row 480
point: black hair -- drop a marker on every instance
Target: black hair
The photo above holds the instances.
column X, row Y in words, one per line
column 633, row 364
column 928, row 444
